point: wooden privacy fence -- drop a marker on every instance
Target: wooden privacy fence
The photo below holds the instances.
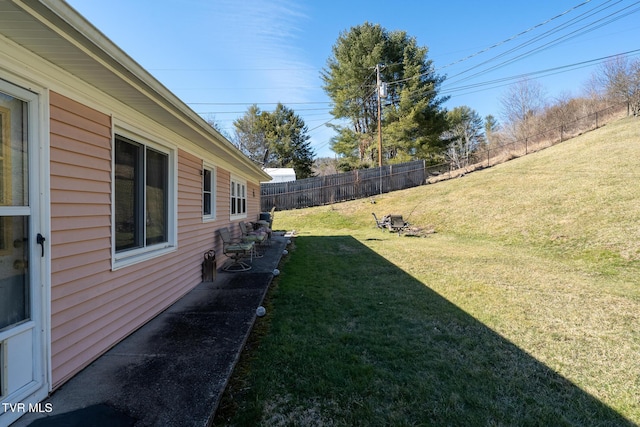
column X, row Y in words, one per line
column 351, row 185
column 361, row 183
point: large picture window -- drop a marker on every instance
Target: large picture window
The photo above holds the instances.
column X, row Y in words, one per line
column 142, row 197
column 238, row 198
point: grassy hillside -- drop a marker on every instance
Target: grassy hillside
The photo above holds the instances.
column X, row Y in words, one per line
column 580, row 198
column 523, row 308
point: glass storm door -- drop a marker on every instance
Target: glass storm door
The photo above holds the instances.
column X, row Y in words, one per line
column 22, row 376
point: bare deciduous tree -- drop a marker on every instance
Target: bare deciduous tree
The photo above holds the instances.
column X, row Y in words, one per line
column 619, row 79
column 563, row 110
column 213, row 122
column 325, row 166
column 465, row 135
column 521, row 104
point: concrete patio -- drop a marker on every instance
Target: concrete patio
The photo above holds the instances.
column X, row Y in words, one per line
column 173, row 370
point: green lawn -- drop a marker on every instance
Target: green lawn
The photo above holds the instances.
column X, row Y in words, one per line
column 522, row 309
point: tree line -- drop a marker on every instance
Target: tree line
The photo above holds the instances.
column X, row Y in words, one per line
column 409, row 111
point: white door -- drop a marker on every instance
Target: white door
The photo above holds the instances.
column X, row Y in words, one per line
column 23, row 376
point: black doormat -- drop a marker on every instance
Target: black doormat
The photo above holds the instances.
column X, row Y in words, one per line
column 99, row 415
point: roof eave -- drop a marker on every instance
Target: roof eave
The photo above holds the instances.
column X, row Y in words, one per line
column 69, row 25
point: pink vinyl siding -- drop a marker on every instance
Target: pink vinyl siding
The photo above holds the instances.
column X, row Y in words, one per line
column 80, row 229
column 92, row 306
column 253, row 199
column 194, row 236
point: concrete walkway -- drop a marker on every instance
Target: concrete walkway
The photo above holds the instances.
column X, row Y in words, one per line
column 173, row 370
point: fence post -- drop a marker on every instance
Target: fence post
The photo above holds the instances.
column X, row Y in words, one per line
column 286, row 191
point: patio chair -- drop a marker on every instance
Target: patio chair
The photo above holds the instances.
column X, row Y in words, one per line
column 265, row 223
column 397, row 224
column 381, row 223
column 257, row 237
column 236, row 250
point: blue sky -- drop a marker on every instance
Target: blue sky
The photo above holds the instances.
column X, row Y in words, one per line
column 220, row 56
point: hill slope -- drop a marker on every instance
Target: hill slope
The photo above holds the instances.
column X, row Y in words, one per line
column 581, row 197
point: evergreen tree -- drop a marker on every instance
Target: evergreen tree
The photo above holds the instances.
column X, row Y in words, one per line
column 491, row 127
column 412, row 119
column 275, row 139
column 288, row 141
column 249, row 135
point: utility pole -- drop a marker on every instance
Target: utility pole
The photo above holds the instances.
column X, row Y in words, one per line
column 379, row 90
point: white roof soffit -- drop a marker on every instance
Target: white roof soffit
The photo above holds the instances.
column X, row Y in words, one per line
column 56, row 32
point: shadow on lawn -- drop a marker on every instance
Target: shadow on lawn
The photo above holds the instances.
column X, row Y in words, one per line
column 406, row 353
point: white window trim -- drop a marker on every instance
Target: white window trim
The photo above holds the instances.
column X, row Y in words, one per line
column 234, row 181
column 135, row 256
column 214, row 191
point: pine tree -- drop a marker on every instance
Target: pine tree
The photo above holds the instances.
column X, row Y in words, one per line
column 412, row 118
column 275, row 139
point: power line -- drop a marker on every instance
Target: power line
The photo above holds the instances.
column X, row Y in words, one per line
column 585, row 29
column 573, row 34
column 475, row 87
column 232, row 69
column 580, row 31
column 450, row 90
column 495, row 45
column 547, row 71
column 516, row 35
column 241, row 112
column 538, row 37
column 258, row 103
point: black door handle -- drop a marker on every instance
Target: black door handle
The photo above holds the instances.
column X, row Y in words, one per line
column 40, row 240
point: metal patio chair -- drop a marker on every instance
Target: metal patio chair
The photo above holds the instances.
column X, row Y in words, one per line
column 257, row 237
column 381, row 223
column 236, row 250
column 397, row 224
column 265, row 223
